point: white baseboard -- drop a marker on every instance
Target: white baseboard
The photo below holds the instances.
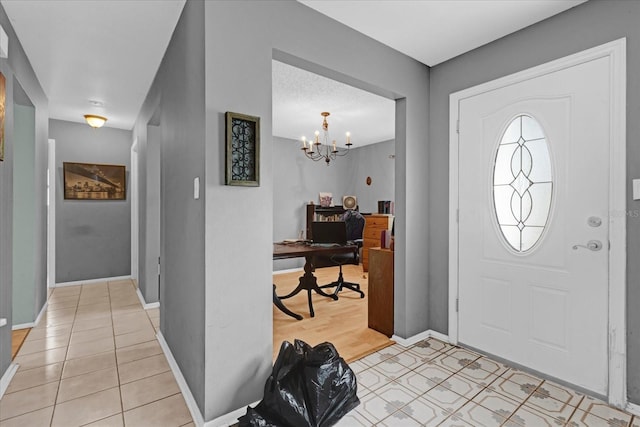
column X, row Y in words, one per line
column 91, row 281
column 290, row 270
column 198, row 419
column 42, row 312
column 408, row 342
column 226, row 420
column 32, row 324
column 438, row 336
column 23, row 326
column 6, row 378
column 631, row 407
column 146, row 305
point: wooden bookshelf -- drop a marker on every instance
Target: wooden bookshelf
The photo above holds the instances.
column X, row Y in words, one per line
column 319, row 213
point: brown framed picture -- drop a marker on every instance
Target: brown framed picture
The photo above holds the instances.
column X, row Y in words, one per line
column 92, row 181
column 243, row 150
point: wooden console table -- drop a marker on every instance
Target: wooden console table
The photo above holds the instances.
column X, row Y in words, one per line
column 380, row 311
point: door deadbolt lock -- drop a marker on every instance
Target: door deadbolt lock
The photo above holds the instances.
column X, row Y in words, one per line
column 594, row 221
column 592, row 245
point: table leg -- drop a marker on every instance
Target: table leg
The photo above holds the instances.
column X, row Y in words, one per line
column 282, row 307
column 308, row 282
column 311, row 313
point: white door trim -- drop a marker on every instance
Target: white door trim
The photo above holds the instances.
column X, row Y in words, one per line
column 616, row 51
column 51, row 214
column 133, row 178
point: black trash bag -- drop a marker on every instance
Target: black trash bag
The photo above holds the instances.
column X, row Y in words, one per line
column 308, row 387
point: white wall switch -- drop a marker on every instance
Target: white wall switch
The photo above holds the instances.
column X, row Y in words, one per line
column 196, row 188
column 3, row 322
column 636, row 189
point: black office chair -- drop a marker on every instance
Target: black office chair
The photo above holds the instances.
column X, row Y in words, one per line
column 354, row 222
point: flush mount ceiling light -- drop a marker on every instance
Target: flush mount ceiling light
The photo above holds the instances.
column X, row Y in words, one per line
column 95, row 121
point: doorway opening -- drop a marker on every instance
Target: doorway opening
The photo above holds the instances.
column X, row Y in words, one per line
column 147, row 233
column 301, row 92
column 29, row 270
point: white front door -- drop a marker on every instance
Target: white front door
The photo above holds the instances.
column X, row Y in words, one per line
column 533, row 199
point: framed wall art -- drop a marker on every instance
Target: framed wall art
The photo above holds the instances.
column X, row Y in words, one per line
column 242, row 150
column 91, row 181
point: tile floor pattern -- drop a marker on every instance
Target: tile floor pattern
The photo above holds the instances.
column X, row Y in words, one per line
column 436, row 384
column 94, row 360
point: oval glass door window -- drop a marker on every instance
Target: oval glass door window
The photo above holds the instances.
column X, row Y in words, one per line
column 522, row 183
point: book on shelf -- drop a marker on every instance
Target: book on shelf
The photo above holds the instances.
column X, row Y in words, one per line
column 332, row 217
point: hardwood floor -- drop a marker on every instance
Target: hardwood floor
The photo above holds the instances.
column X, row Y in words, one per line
column 342, row 323
column 17, row 339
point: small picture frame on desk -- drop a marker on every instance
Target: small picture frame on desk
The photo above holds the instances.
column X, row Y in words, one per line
column 242, row 150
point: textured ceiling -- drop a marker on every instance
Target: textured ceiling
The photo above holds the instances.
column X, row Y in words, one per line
column 300, row 96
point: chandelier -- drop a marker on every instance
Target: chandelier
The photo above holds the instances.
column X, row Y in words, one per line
column 320, row 149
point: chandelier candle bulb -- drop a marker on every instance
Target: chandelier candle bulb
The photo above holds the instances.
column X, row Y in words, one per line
column 304, row 143
column 334, row 146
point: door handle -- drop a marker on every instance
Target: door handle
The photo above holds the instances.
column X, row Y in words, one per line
column 592, row 245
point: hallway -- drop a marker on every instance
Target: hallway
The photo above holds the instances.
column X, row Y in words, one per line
column 94, row 360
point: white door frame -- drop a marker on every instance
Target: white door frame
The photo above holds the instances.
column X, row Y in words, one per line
column 51, row 214
column 616, row 52
column 133, row 178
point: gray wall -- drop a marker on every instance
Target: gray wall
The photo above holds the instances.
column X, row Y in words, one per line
column 585, row 26
column 298, row 180
column 93, row 237
column 24, row 210
column 239, row 231
column 17, row 66
column 372, row 161
column 176, row 103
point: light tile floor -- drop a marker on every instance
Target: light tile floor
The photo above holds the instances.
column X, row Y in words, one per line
column 435, row 384
column 94, row 360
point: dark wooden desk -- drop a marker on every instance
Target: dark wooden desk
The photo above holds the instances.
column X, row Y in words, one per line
column 308, row 281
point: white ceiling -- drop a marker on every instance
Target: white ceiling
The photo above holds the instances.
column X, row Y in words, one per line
column 101, row 50
column 110, row 50
column 433, row 31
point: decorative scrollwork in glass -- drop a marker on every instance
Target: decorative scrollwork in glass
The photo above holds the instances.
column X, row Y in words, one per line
column 522, row 183
column 243, row 150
